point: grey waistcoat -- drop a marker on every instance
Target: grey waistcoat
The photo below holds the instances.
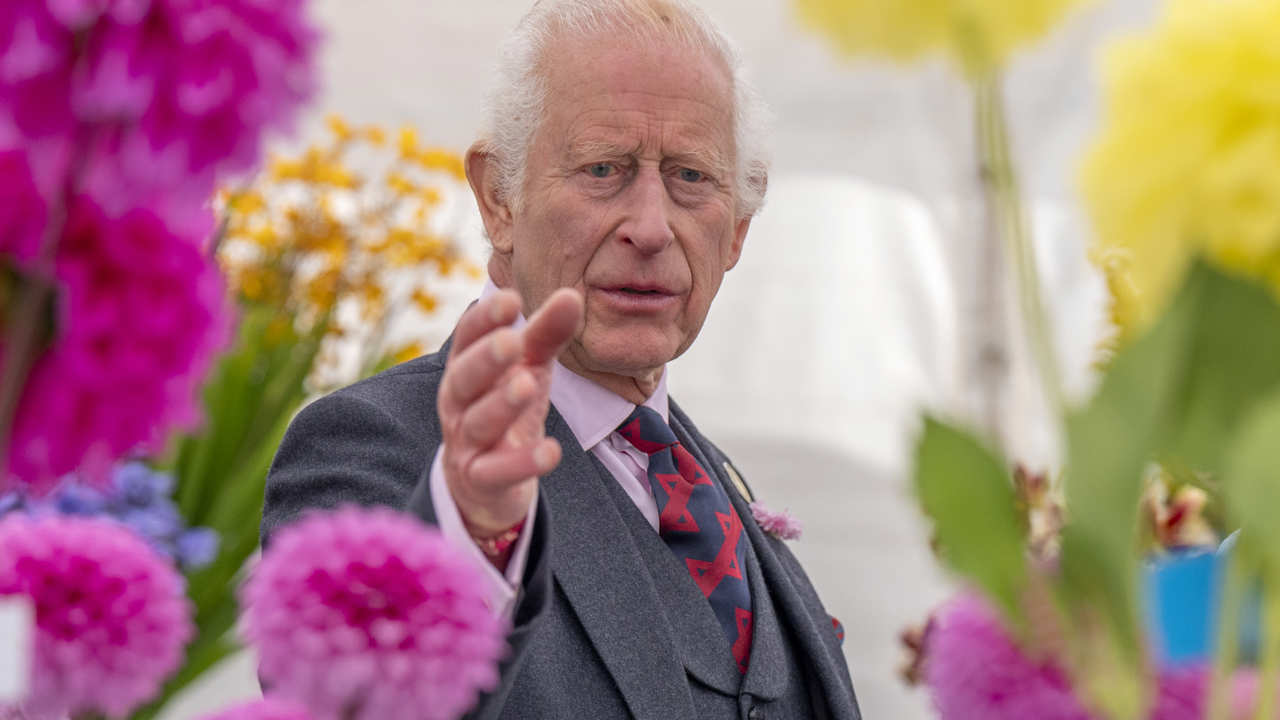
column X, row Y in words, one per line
column 775, row 684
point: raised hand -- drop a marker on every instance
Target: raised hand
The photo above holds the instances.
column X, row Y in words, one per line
column 493, row 405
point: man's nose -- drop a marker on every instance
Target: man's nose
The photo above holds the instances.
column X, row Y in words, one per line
column 648, row 213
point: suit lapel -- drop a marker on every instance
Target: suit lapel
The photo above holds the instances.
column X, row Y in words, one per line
column 595, row 562
column 789, row 603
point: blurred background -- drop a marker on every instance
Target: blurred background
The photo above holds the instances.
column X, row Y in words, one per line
column 854, row 306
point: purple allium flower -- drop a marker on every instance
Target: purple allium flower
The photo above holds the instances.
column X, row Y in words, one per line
column 175, row 91
column 370, row 610
column 266, row 709
column 111, row 615
column 141, row 316
column 780, row 524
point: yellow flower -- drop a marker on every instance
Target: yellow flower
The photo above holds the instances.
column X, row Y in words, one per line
column 342, row 132
column 247, row 202
column 376, row 135
column 400, row 184
column 979, row 34
column 1188, row 162
column 407, row 142
column 408, row 352
column 425, row 301
column 445, row 160
column 313, row 234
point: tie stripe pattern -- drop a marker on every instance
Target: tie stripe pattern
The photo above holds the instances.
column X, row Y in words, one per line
column 699, row 524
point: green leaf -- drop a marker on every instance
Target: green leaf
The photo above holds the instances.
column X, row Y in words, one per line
column 1179, row 394
column 969, row 495
column 1252, row 481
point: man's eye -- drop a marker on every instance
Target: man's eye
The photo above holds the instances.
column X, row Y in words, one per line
column 600, row 170
column 691, row 176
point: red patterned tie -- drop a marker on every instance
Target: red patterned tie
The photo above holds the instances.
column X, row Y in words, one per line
column 699, row 524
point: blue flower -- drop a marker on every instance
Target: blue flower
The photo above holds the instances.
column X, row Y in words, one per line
column 138, row 498
column 74, row 499
column 12, row 501
column 197, row 547
column 139, row 485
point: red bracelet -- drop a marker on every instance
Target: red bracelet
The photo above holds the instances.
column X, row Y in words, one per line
column 496, row 545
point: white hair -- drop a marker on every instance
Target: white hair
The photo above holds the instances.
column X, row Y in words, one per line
column 517, row 102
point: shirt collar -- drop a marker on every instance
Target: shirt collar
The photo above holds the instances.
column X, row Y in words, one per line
column 591, row 411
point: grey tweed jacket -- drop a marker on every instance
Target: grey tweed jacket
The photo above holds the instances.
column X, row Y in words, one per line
column 590, row 638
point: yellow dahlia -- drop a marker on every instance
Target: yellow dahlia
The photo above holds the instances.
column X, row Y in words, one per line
column 1188, row 162
column 979, row 34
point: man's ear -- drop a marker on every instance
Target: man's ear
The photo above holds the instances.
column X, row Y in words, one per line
column 495, row 209
column 739, row 238
column 740, row 230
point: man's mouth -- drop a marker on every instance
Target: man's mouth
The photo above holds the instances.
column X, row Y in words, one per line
column 638, row 298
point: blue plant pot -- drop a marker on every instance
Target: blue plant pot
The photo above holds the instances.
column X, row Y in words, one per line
column 1183, row 592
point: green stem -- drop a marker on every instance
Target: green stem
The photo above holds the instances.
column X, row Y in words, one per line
column 1267, row 674
column 1000, row 184
column 1227, row 647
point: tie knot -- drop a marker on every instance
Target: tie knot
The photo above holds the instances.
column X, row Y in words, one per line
column 647, row 431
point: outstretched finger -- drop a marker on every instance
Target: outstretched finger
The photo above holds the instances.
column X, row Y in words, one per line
column 478, row 369
column 497, row 310
column 488, row 419
column 515, row 465
column 552, row 326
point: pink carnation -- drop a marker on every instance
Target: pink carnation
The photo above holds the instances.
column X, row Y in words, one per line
column 140, row 316
column 781, row 524
column 111, row 614
column 174, row 89
column 265, row 709
column 371, row 610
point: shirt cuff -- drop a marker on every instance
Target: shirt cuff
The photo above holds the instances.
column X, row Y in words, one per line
column 502, row 587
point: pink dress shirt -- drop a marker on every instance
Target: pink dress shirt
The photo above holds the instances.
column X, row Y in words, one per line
column 592, row 414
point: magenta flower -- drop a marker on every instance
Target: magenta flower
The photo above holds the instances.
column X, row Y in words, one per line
column 976, row 672
column 111, row 614
column 779, row 524
column 172, row 91
column 368, row 610
column 141, row 315
column 266, row 709
column 22, row 209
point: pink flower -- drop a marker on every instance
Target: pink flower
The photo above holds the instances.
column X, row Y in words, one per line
column 369, row 609
column 111, row 614
column 780, row 524
column 22, row 209
column 140, row 316
column 265, row 709
column 976, row 672
column 174, row 91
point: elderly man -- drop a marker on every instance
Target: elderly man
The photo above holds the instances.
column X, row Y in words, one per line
column 617, row 183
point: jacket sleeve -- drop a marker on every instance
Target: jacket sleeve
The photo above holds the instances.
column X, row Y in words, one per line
column 355, row 446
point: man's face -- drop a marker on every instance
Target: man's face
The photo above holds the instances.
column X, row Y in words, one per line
column 629, row 198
